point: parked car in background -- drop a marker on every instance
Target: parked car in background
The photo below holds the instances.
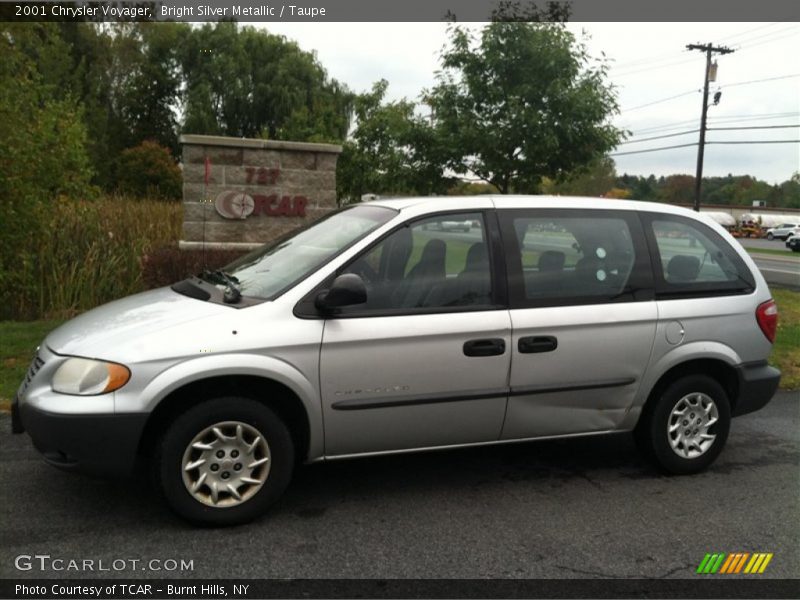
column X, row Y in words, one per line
column 793, row 242
column 451, row 225
column 376, row 331
column 783, row 231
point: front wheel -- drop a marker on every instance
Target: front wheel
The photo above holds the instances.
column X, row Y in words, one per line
column 224, row 461
column 770, row 236
column 685, row 429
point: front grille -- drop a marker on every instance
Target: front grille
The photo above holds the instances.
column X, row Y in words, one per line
column 32, row 370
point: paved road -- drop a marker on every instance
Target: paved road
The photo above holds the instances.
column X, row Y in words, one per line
column 579, row 508
column 779, row 270
column 763, row 244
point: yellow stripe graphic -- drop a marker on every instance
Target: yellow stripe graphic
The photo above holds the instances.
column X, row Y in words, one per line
column 757, row 564
column 753, row 563
column 765, row 563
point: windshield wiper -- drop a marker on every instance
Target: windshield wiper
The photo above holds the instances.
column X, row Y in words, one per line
column 232, row 293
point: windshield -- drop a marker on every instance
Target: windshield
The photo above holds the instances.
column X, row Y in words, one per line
column 266, row 272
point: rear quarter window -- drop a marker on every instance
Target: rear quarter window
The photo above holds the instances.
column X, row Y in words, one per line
column 690, row 258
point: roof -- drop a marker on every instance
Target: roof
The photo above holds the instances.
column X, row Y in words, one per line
column 514, row 201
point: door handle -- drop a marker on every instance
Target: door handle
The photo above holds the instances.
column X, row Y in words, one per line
column 534, row 344
column 488, row 347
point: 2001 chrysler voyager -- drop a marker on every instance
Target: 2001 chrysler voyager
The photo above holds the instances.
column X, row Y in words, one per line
column 379, row 329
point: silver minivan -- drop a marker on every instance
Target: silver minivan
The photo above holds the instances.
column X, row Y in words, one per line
column 379, row 329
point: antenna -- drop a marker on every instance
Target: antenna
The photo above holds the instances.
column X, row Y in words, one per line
column 207, row 171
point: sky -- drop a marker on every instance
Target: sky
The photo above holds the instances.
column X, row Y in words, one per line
column 650, row 65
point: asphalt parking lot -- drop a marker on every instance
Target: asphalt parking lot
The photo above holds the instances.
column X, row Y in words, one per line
column 560, row 509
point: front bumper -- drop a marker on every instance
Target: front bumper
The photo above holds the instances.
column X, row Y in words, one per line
column 98, row 444
column 757, row 384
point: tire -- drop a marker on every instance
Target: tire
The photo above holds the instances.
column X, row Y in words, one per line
column 700, row 396
column 241, row 422
column 770, row 236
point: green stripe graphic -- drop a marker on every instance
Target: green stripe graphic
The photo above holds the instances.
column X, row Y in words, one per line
column 718, row 564
column 703, row 563
column 710, row 563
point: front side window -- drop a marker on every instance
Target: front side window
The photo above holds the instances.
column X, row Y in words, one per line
column 572, row 257
column 693, row 257
column 268, row 271
column 439, row 262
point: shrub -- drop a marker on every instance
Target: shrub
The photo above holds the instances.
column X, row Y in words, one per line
column 81, row 253
column 167, row 264
column 149, row 171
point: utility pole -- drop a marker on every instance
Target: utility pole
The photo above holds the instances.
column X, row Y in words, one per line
column 709, row 50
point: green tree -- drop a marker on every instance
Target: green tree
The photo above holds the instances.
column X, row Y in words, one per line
column 148, row 170
column 245, row 82
column 595, row 179
column 677, row 189
column 392, row 150
column 523, row 102
column 42, row 155
column 790, row 191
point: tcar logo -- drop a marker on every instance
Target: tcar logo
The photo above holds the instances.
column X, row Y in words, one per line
column 234, row 205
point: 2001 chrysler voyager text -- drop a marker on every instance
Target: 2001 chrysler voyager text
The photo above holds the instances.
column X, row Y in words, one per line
column 381, row 329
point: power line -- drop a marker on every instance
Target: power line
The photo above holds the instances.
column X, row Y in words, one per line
column 626, row 73
column 768, row 35
column 746, row 31
column 759, row 142
column 735, row 84
column 727, row 85
column 757, row 115
column 748, row 44
column 661, row 100
column 659, row 137
column 653, row 149
column 654, row 128
column 795, row 126
column 721, row 119
column 650, row 59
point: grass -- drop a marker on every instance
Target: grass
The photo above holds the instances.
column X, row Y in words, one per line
column 786, row 352
column 21, row 338
column 775, row 251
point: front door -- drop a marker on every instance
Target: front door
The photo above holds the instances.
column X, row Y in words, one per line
column 425, row 361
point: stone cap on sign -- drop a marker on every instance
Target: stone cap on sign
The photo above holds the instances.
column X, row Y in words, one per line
column 218, row 140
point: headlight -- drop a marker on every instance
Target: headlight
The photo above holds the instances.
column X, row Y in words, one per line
column 87, row 377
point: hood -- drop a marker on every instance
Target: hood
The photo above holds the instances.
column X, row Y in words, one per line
column 103, row 331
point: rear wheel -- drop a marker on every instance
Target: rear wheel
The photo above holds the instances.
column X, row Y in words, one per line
column 224, row 461
column 686, row 427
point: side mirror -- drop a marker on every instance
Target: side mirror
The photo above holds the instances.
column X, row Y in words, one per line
column 346, row 290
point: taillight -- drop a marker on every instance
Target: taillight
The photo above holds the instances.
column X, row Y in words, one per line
column 767, row 317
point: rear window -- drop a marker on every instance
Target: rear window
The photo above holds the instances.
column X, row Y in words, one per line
column 573, row 257
column 559, row 257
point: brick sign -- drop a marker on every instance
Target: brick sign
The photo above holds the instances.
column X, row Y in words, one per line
column 241, row 193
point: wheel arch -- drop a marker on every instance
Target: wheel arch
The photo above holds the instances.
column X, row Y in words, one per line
column 279, row 397
column 716, row 368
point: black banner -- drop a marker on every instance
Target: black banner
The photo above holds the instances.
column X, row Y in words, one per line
column 700, row 587
column 405, row 11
